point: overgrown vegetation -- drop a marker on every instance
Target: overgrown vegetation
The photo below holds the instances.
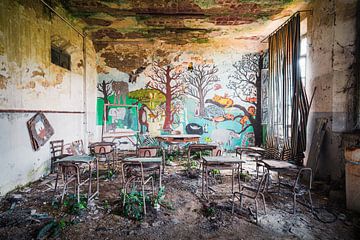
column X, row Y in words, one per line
column 134, row 204
column 71, row 205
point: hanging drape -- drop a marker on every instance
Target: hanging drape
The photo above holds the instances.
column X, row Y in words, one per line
column 288, row 106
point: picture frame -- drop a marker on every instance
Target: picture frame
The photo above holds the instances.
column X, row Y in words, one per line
column 120, row 120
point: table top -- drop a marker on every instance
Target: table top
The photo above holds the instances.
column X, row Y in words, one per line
column 144, row 159
column 279, row 164
column 256, row 149
column 202, row 146
column 223, row 159
column 95, row 144
column 179, row 136
column 76, row 159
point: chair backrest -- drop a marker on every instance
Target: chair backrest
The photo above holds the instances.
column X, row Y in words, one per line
column 272, row 149
column 56, row 148
column 287, row 152
column 263, row 183
column 147, row 152
column 303, row 179
column 216, row 152
column 103, row 149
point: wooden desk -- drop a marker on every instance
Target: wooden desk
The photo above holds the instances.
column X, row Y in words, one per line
column 75, row 161
column 220, row 162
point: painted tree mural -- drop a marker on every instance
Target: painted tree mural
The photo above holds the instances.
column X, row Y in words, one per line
column 105, row 89
column 245, row 83
column 168, row 80
column 200, row 82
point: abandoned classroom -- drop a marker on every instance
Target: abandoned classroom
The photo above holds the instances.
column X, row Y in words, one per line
column 179, row 119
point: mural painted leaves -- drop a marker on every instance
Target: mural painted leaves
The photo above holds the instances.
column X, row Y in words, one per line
column 149, row 97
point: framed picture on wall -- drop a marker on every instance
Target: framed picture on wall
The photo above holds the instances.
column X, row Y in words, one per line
column 40, row 130
column 120, row 120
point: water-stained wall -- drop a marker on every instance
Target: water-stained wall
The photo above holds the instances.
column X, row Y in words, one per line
column 29, row 81
column 331, row 69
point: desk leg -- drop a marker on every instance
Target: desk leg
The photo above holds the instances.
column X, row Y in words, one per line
column 202, row 179
column 206, row 182
column 163, row 160
column 160, row 176
column 97, row 177
column 90, row 180
column 232, row 181
column 239, row 177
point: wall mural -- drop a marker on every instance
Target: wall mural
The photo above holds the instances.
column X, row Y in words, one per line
column 215, row 100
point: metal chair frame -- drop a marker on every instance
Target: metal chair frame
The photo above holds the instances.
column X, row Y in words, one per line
column 145, row 176
column 259, row 191
column 298, row 189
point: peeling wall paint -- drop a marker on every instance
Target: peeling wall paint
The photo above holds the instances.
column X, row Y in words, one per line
column 28, row 80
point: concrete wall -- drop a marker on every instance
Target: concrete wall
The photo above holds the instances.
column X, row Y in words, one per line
column 28, row 81
column 331, row 69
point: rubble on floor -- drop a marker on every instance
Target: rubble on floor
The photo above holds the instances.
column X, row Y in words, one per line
column 32, row 213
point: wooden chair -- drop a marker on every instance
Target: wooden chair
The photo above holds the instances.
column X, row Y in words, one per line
column 57, row 152
column 252, row 193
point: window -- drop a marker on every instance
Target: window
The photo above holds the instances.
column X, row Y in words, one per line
column 302, row 60
column 60, row 58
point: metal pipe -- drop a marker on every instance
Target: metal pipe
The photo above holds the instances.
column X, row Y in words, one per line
column 85, row 121
column 284, row 23
column 62, row 18
column 37, row 110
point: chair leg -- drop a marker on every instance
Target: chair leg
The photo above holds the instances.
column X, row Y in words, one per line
column 263, row 198
column 56, row 183
column 311, row 203
column 241, row 201
column 144, row 200
column 294, row 204
column 233, row 204
column 153, row 186
column 65, row 186
column 256, row 210
column 278, row 183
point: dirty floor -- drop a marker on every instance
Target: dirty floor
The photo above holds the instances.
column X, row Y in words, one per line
column 31, row 213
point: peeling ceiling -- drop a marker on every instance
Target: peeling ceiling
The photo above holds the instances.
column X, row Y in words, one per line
column 179, row 21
